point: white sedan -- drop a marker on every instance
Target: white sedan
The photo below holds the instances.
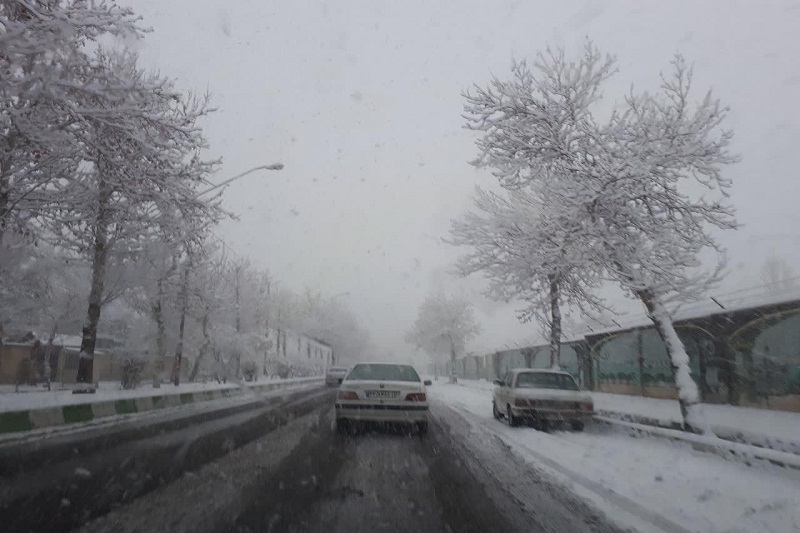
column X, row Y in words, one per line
column 382, row 392
column 541, row 396
column 334, row 375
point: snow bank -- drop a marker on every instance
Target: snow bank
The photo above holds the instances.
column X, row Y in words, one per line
column 725, row 419
column 695, row 490
column 781, row 429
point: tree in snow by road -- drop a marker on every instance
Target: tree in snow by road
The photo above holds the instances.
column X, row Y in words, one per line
column 527, row 253
column 138, row 178
column 444, row 326
column 46, row 84
column 43, row 69
column 644, row 185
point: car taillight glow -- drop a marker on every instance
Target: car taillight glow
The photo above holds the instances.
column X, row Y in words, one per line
column 520, row 402
column 587, row 406
column 347, row 395
column 416, row 397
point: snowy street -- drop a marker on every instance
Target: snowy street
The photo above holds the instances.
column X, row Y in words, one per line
column 305, row 477
column 280, row 466
column 57, row 483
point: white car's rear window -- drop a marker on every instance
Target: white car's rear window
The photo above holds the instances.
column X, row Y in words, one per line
column 383, row 372
column 543, row 380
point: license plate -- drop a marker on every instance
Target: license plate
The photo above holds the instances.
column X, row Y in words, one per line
column 382, row 394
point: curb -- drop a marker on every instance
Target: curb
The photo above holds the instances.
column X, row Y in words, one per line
column 745, row 453
column 27, row 420
column 723, row 432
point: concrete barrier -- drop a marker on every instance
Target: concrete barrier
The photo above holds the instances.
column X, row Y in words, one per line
column 26, row 420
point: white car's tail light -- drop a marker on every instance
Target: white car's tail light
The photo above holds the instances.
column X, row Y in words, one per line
column 416, row 397
column 347, row 395
column 587, row 406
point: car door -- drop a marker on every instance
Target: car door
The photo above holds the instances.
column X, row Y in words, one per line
column 502, row 392
column 509, row 388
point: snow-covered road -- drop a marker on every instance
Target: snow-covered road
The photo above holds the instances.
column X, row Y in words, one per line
column 642, row 482
column 470, row 473
column 80, row 480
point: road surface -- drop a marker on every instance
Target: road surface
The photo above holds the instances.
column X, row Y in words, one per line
column 282, row 467
column 305, row 477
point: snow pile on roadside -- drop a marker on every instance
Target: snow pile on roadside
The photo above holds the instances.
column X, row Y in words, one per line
column 695, row 490
column 774, row 426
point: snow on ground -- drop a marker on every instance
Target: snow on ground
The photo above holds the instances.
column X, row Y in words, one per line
column 40, row 398
column 780, row 425
column 695, row 490
column 776, row 425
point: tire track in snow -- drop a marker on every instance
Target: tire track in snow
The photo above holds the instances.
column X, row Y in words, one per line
column 626, row 504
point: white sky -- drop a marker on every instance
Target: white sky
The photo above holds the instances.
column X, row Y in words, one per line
column 361, row 102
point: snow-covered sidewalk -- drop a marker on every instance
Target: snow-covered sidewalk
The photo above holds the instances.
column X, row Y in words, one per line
column 646, row 483
column 779, row 430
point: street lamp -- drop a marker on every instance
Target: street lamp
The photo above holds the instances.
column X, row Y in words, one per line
column 274, row 166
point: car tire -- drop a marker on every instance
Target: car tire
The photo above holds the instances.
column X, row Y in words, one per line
column 422, row 428
column 513, row 421
column 495, row 413
column 577, row 425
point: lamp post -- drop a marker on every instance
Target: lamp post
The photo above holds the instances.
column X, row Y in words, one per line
column 274, row 166
column 176, row 367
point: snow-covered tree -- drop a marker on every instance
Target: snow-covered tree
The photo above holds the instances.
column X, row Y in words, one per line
column 644, row 185
column 42, row 290
column 45, row 80
column 444, row 326
column 526, row 253
column 138, row 179
column 331, row 321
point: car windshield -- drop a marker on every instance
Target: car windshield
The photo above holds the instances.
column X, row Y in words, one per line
column 546, row 380
column 383, row 373
column 207, row 206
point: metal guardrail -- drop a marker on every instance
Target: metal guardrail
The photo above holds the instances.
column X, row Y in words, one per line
column 30, row 419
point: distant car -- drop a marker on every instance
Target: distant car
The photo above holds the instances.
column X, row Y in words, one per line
column 335, row 375
column 541, row 396
column 383, row 392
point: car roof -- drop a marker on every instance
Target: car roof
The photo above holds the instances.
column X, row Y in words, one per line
column 383, row 363
column 538, row 371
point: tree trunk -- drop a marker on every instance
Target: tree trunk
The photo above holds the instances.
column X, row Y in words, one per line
column 176, row 367
column 48, row 353
column 238, row 296
column 161, row 334
column 99, row 262
column 688, row 394
column 555, row 325
column 5, row 187
column 203, row 349
column 453, row 378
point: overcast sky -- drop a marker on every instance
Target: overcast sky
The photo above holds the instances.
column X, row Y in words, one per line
column 361, row 102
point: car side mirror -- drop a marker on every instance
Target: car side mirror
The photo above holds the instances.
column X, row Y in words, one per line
column 427, row 383
column 498, row 382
